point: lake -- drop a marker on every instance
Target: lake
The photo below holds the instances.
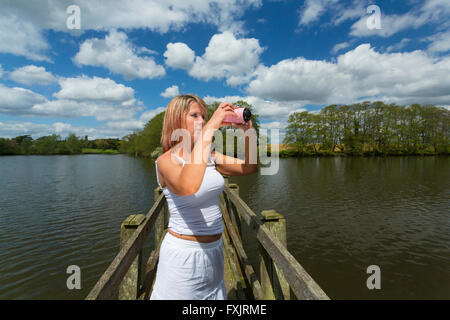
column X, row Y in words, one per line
column 343, row 215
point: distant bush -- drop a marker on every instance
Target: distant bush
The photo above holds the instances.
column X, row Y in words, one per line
column 156, row 153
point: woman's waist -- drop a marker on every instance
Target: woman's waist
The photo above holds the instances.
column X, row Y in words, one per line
column 198, row 238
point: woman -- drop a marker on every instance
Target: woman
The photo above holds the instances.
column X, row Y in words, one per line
column 191, row 263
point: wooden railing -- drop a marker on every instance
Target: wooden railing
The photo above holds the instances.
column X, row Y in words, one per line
column 281, row 276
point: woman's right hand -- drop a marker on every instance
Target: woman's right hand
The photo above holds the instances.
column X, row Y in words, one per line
column 216, row 120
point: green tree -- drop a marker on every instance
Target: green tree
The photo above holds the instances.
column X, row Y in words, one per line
column 150, row 137
column 48, row 144
column 73, row 144
column 332, row 129
column 129, row 144
column 8, row 147
column 101, row 144
column 24, row 143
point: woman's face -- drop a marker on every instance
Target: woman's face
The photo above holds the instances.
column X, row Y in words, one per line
column 195, row 120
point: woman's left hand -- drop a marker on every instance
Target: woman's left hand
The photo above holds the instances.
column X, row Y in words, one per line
column 244, row 126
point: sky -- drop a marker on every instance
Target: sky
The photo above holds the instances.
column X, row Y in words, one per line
column 105, row 68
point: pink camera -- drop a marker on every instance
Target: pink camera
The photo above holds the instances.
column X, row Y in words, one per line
column 243, row 116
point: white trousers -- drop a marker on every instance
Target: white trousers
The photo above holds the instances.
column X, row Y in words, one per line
column 189, row 270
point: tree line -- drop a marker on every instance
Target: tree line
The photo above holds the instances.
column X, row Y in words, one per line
column 367, row 128
column 53, row 144
column 370, row 128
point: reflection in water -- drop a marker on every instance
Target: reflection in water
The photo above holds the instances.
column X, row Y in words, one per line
column 343, row 215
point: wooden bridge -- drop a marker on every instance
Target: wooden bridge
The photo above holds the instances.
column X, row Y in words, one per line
column 281, row 275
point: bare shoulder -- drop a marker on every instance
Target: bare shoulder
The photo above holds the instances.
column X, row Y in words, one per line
column 169, row 172
column 163, row 162
column 167, row 166
column 166, row 159
column 163, row 157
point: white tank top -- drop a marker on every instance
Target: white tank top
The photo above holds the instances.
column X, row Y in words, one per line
column 198, row 213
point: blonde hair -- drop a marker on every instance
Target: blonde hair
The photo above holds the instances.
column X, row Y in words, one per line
column 175, row 117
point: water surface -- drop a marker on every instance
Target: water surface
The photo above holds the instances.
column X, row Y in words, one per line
column 343, row 215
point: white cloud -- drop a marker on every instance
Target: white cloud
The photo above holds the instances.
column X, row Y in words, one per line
column 356, row 9
column 156, row 15
column 390, row 24
column 422, row 12
column 96, row 97
column 118, row 55
column 149, row 114
column 361, row 73
column 19, row 36
column 432, row 11
column 312, row 10
column 273, row 125
column 18, row 101
column 171, row 92
column 61, row 127
column 179, row 56
column 338, row 47
column 225, row 57
column 73, row 109
column 31, row 74
column 102, row 89
column 398, row 46
column 436, row 9
column 135, row 124
column 266, row 109
column 22, row 22
column 440, row 42
column 11, row 129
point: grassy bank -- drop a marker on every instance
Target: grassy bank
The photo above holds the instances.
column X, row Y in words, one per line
column 98, row 151
column 290, row 150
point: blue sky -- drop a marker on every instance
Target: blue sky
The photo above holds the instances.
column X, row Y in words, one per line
column 129, row 58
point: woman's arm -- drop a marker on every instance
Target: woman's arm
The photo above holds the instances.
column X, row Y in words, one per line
column 234, row 166
column 231, row 166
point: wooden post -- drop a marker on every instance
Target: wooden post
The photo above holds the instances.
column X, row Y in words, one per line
column 273, row 282
column 159, row 223
column 129, row 287
column 234, row 213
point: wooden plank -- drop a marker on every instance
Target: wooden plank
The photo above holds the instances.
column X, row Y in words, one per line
column 159, row 223
column 107, row 286
column 303, row 286
column 243, row 259
column 228, row 275
column 151, row 268
column 232, row 212
column 129, row 287
column 238, row 278
column 244, row 290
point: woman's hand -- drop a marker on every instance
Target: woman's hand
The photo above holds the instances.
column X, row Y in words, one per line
column 222, row 111
column 244, row 126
